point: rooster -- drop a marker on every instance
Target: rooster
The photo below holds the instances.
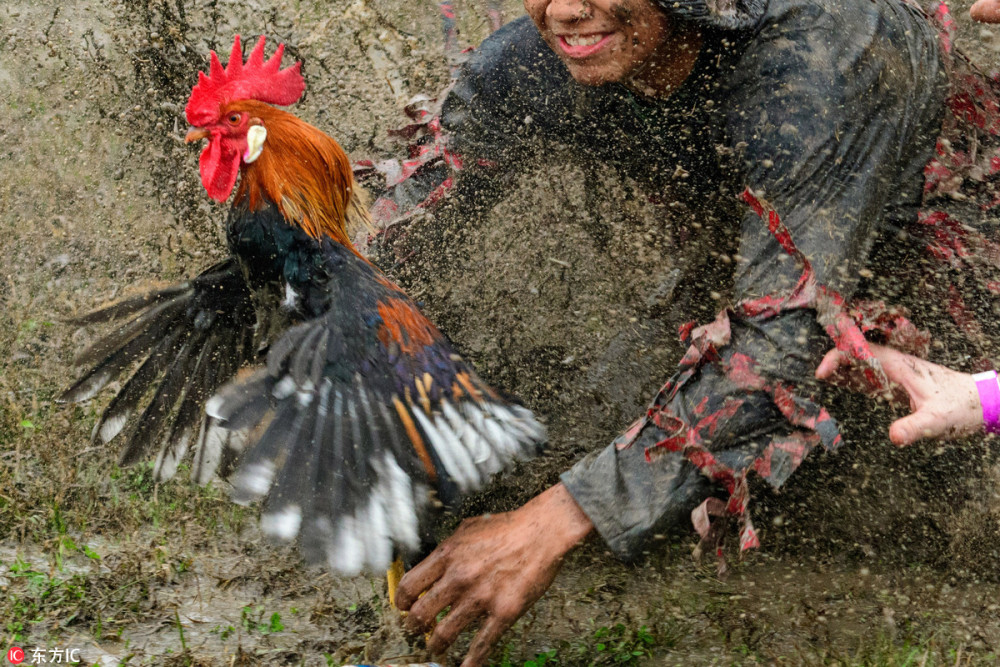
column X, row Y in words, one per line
column 361, row 412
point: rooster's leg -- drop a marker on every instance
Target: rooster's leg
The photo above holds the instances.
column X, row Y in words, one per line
column 392, row 576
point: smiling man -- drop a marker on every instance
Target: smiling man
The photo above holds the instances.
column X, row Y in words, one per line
column 799, row 128
column 604, row 42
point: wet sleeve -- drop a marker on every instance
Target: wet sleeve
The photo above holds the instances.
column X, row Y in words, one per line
column 477, row 146
column 836, row 110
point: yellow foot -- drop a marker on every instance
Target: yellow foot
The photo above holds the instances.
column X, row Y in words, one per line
column 392, row 576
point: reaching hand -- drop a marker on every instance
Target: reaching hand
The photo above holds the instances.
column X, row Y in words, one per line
column 492, row 569
column 986, row 11
column 944, row 403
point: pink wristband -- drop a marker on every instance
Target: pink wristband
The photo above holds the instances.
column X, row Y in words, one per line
column 989, row 399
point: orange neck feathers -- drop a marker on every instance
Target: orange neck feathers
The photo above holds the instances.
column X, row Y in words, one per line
column 305, row 173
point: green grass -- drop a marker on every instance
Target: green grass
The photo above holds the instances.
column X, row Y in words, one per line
column 913, row 651
column 37, row 595
column 606, row 645
column 252, row 620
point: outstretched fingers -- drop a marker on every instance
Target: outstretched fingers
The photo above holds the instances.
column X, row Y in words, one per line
column 425, row 610
column 447, row 630
column 487, row 637
column 911, row 373
column 901, row 369
column 420, row 579
column 837, row 368
column 922, row 424
column 832, row 362
column 944, row 403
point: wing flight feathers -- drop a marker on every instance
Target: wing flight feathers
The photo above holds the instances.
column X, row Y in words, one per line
column 353, row 423
column 188, row 339
column 365, row 420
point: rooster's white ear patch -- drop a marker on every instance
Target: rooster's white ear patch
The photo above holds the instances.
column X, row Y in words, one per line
column 256, row 136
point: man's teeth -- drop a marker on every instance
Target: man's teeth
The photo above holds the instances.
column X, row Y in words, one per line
column 583, row 40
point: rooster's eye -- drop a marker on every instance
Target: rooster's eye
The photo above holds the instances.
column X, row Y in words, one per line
column 234, row 118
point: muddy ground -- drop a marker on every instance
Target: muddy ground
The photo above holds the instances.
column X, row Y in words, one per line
column 870, row 556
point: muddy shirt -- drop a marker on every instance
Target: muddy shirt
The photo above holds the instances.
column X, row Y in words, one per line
column 827, row 112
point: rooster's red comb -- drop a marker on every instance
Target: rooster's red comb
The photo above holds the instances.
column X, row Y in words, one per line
column 258, row 79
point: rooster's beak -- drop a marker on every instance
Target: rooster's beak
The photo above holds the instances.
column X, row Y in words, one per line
column 195, row 134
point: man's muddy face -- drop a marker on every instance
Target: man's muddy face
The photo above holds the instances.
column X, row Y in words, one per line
column 600, row 41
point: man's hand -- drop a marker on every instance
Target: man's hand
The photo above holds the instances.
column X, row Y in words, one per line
column 944, row 403
column 986, row 11
column 492, row 569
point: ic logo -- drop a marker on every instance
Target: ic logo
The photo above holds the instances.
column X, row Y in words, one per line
column 15, row 655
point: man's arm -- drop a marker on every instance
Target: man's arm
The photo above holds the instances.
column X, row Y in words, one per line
column 838, row 106
column 835, row 134
column 476, row 146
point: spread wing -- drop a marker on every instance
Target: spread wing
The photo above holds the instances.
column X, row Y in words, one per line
column 358, row 413
column 188, row 340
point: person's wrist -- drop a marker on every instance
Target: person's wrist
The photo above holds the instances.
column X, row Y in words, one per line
column 557, row 519
column 989, row 399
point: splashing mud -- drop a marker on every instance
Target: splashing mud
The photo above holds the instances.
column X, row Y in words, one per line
column 567, row 294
